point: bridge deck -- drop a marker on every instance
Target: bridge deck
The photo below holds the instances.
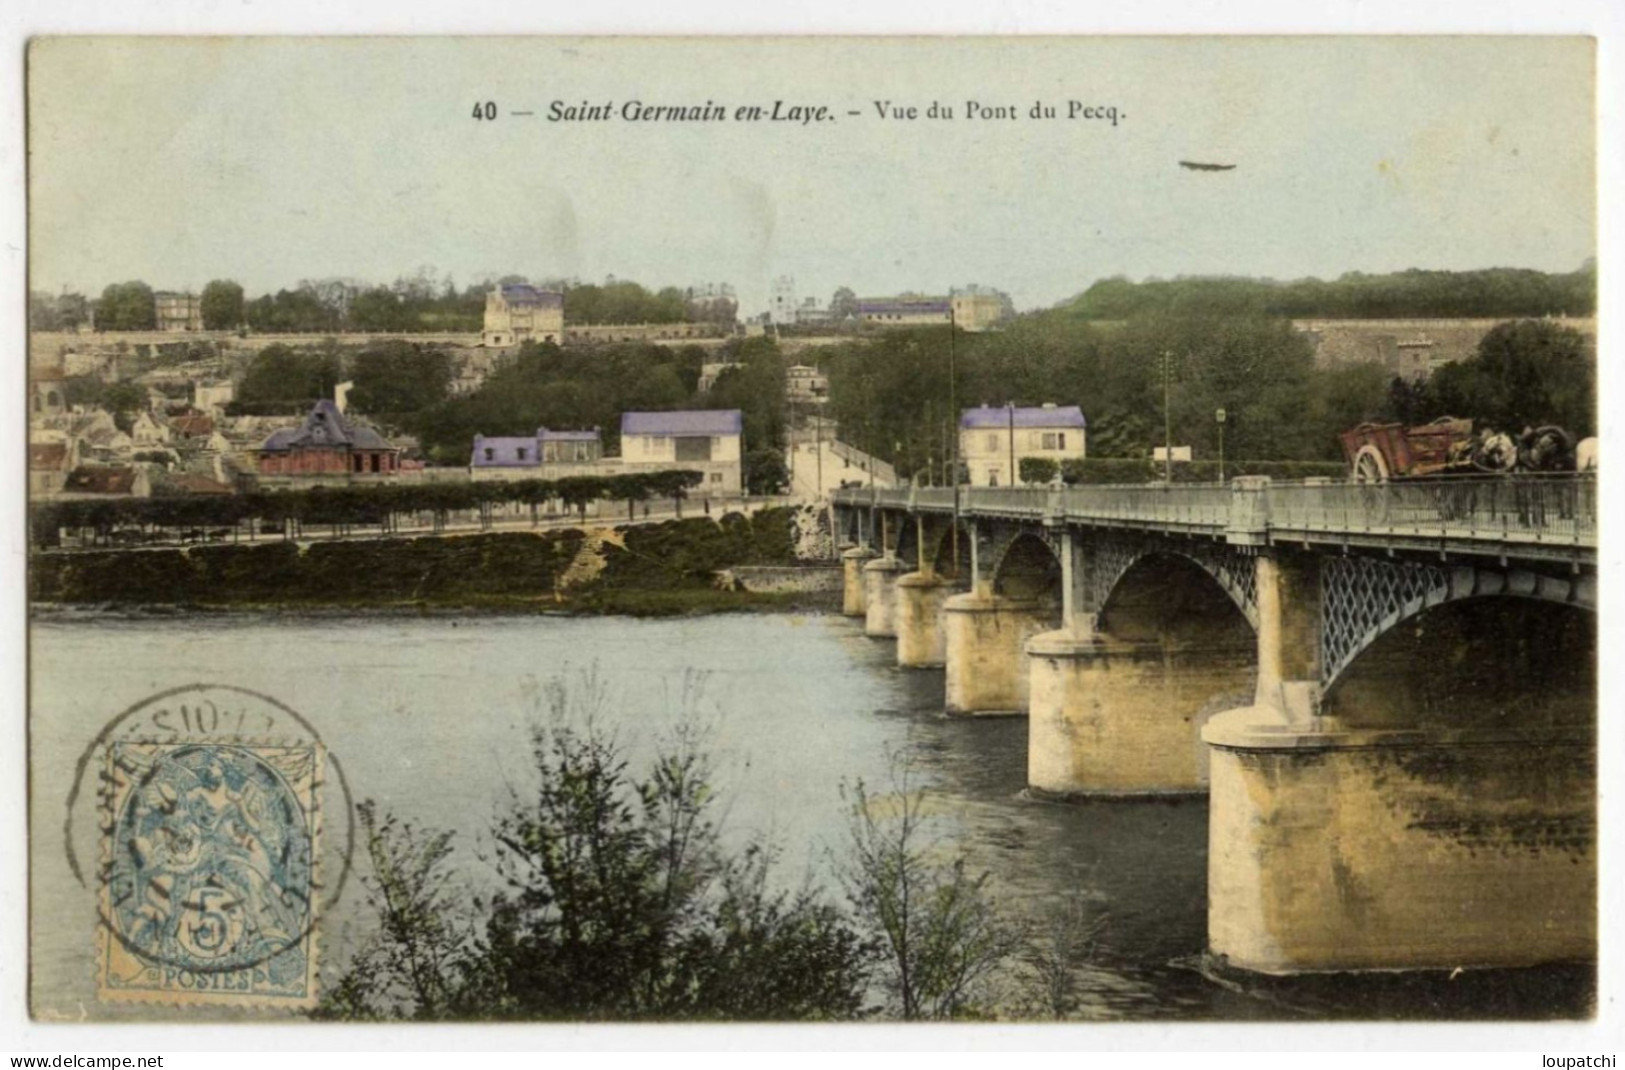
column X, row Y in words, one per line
column 1542, row 517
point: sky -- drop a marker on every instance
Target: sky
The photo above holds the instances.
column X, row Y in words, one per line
column 269, row 161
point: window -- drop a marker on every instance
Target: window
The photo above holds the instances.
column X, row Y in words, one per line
column 1053, row 441
column 490, row 454
column 716, row 477
column 522, row 451
column 992, row 443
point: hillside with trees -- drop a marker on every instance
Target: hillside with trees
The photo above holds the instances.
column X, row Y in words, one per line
column 891, row 394
column 419, row 303
column 1495, row 293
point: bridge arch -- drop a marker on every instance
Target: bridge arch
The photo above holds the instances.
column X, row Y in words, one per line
column 944, row 559
column 1234, row 573
column 1363, row 599
column 1028, row 568
column 907, row 546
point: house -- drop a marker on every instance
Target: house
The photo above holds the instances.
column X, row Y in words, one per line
column 327, row 445
column 51, row 457
column 48, row 390
column 129, row 480
column 212, row 395
column 980, row 308
column 98, row 437
column 994, row 439
column 805, row 384
column 545, row 455
column 710, row 441
column 177, row 311
column 148, row 430
column 191, row 428
column 519, row 313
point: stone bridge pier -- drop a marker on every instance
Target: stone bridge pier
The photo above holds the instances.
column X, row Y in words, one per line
column 1151, row 645
column 922, row 638
column 1388, row 693
column 1413, row 784
column 1014, row 595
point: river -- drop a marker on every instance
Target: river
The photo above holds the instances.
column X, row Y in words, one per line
column 431, row 717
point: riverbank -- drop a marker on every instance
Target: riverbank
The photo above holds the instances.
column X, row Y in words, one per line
column 645, row 570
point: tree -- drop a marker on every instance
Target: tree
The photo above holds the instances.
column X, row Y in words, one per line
column 1066, row 937
column 42, row 312
column 411, row 964
column 222, row 305
column 123, row 400
column 843, row 305
column 941, row 940
column 285, row 377
column 1526, row 373
column 126, row 306
column 399, row 377
column 765, row 472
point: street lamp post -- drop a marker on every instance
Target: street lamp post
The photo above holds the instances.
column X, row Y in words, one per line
column 1219, row 418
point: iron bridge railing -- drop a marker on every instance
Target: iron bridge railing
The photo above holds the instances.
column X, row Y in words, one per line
column 1536, row 509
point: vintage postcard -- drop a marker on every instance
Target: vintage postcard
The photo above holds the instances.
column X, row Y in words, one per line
column 888, row 530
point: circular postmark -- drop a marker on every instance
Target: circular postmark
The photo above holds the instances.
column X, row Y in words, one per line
column 206, row 807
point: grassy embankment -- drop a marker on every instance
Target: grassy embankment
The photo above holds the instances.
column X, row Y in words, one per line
column 649, row 570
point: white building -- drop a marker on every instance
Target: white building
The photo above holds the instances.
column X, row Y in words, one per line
column 709, row 441
column 994, row 439
column 805, row 384
column 518, row 313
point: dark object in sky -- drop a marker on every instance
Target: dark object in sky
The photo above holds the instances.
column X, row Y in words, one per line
column 1189, row 166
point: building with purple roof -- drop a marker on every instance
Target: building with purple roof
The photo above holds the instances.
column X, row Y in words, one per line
column 906, row 310
column 545, row 447
column 710, row 441
column 993, row 439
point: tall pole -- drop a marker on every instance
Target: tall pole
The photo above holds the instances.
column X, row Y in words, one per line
column 1010, row 407
column 818, row 443
column 1167, row 420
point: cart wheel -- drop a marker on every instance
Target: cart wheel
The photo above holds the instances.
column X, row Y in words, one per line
column 1370, row 473
column 1369, row 466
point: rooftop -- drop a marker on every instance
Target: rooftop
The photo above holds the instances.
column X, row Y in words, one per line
column 524, row 294
column 1033, row 416
column 98, row 480
column 326, row 428
column 686, row 422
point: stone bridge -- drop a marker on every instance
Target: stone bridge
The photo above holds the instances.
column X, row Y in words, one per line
column 1388, row 692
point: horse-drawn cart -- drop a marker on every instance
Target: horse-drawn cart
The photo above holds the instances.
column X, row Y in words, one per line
column 1379, row 452
column 1449, row 446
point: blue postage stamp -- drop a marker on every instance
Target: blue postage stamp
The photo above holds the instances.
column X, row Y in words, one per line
column 209, row 873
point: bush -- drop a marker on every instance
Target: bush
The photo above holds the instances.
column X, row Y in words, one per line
column 1038, row 469
column 619, row 903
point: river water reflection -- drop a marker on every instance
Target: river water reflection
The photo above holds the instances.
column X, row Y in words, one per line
column 430, row 716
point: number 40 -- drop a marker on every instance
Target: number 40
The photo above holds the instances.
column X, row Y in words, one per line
column 485, row 109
